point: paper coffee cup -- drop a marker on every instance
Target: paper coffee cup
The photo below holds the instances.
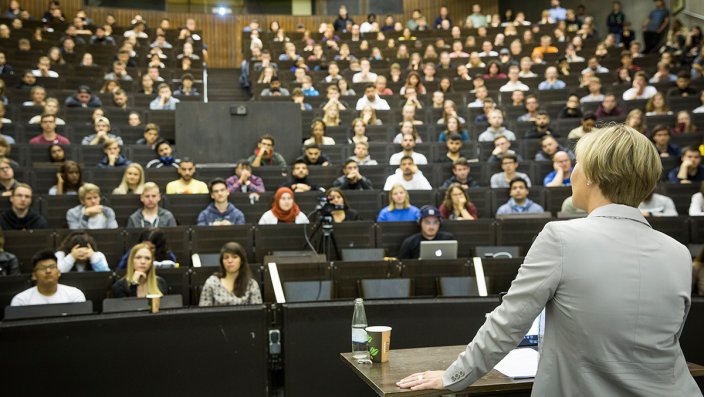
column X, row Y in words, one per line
column 154, row 301
column 379, row 337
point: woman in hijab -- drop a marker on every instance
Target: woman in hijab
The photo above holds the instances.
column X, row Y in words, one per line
column 284, row 209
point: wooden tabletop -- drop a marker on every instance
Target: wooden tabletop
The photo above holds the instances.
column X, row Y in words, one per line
column 382, row 378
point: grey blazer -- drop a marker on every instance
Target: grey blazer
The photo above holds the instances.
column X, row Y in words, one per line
column 616, row 293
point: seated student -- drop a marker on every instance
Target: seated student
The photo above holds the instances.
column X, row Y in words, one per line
column 682, row 87
column 587, row 123
column 284, row 209
column 502, row 146
column 510, row 162
column 243, row 180
column 358, row 130
column 430, row 224
column 220, row 212
column 453, row 127
column 186, row 184
column 7, row 177
column 407, row 144
column 541, row 126
column 691, row 168
column 113, row 158
column 163, row 256
column 572, row 108
column 151, row 135
column 407, row 127
column 165, row 155
column 275, row 88
column 461, row 175
column 313, row 156
column 352, row 179
column 187, row 88
column 141, row 277
column 399, row 208
column 49, row 135
column 83, row 98
column 79, row 252
column 132, row 180
column 549, row 147
column 454, row 145
column 265, row 154
column 164, row 101
column 362, row 155
column 51, row 106
column 371, row 98
column 496, row 128
column 234, row 284
column 594, row 91
column 299, row 179
column 46, row 273
column 661, row 137
column 318, row 132
column 456, row 204
column 658, row 205
column 609, row 107
column 337, row 198
column 68, row 179
column 519, row 203
column 408, row 175
column 20, row 215
column 90, row 214
column 640, row 88
column 151, row 214
column 562, row 169
column 9, row 264
column 5, row 150
column 552, row 82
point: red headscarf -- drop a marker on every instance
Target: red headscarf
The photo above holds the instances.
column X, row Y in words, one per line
column 284, row 216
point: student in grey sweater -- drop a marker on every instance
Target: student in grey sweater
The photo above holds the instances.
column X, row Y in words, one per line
column 151, row 215
column 90, row 214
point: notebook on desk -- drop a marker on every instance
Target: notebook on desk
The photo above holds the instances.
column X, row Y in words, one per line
column 438, row 249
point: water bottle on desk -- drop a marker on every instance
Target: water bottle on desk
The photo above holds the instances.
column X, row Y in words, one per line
column 360, row 343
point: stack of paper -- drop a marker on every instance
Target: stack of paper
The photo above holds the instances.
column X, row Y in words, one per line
column 519, row 363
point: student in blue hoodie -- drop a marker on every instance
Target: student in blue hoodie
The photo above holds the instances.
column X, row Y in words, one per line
column 220, row 212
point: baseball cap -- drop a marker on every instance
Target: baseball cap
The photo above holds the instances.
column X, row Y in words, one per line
column 504, row 51
column 428, row 211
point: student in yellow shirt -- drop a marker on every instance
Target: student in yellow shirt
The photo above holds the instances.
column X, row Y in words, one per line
column 186, row 184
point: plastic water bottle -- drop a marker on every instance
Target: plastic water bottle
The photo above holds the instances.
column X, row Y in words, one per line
column 360, row 344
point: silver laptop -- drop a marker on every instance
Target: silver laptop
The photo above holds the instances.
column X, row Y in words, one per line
column 439, row 249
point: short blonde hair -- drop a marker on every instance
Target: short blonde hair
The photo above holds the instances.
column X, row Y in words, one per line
column 87, row 188
column 621, row 161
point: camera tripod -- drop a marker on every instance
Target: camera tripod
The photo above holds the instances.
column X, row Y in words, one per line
column 326, row 240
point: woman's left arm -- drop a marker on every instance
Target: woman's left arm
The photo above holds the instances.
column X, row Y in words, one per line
column 255, row 295
column 99, row 263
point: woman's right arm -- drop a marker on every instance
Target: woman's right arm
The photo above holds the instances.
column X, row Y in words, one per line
column 64, row 261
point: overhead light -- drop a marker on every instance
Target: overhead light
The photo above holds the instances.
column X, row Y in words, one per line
column 222, row 11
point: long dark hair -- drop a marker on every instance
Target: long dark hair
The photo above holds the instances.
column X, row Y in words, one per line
column 158, row 240
column 244, row 274
column 77, row 237
column 64, row 170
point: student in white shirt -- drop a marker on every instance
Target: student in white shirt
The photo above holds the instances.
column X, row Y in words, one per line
column 371, row 99
column 45, row 272
column 409, row 176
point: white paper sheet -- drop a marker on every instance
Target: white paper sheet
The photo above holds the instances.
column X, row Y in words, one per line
column 519, row 363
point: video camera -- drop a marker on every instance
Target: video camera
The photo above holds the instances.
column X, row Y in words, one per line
column 325, row 207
